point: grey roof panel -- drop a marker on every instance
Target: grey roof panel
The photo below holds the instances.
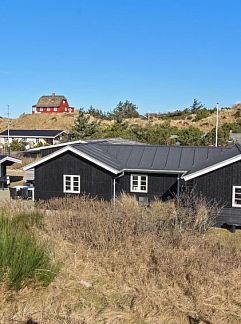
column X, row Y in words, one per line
column 187, row 158
column 135, row 157
column 156, row 157
column 96, row 152
column 160, row 158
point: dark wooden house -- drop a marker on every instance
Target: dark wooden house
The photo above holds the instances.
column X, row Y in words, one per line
column 105, row 170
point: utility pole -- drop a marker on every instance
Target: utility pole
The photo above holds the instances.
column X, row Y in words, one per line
column 216, row 137
column 8, row 113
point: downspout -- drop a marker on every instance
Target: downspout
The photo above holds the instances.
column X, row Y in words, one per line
column 178, row 187
column 114, row 195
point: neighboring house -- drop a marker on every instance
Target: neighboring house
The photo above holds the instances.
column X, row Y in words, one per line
column 4, row 162
column 52, row 104
column 32, row 137
column 105, row 170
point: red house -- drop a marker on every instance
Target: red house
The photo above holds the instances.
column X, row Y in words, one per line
column 52, row 104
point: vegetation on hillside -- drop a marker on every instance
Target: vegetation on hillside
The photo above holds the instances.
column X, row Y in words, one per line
column 153, row 133
column 194, row 125
column 133, row 264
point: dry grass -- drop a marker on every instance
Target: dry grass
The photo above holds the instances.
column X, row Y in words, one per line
column 133, row 264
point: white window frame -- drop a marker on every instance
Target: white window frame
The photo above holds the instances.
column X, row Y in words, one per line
column 41, row 109
column 48, row 109
column 139, row 183
column 55, row 109
column 71, row 190
column 234, row 204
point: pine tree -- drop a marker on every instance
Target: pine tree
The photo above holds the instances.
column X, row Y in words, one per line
column 197, row 105
column 83, row 128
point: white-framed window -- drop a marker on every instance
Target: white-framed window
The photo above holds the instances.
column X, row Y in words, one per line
column 236, row 197
column 139, row 183
column 48, row 109
column 71, row 183
column 55, row 109
column 41, row 109
column 37, row 140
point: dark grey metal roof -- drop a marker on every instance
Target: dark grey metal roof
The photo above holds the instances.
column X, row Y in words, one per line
column 97, row 153
column 158, row 158
column 32, row 133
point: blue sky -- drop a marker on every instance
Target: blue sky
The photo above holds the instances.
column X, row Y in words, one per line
column 159, row 54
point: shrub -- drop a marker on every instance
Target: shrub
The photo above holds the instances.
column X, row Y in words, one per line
column 202, row 113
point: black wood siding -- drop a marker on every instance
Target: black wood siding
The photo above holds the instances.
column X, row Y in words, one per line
column 3, row 169
column 94, row 181
column 218, row 185
column 161, row 186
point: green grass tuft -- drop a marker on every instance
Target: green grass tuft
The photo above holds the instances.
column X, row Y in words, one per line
column 22, row 257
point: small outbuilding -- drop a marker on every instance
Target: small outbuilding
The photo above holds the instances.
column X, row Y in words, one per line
column 6, row 161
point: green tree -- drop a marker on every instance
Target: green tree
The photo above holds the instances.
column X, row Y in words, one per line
column 125, row 110
column 191, row 136
column 197, row 105
column 17, row 145
column 97, row 113
column 83, row 127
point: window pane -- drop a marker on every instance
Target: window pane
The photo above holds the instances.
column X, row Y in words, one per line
column 67, row 188
column 238, row 202
column 76, row 188
column 238, row 190
column 143, row 178
column 76, row 178
column 143, row 188
column 67, row 178
column 135, row 177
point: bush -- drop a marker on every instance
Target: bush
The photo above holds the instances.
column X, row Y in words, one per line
column 201, row 114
